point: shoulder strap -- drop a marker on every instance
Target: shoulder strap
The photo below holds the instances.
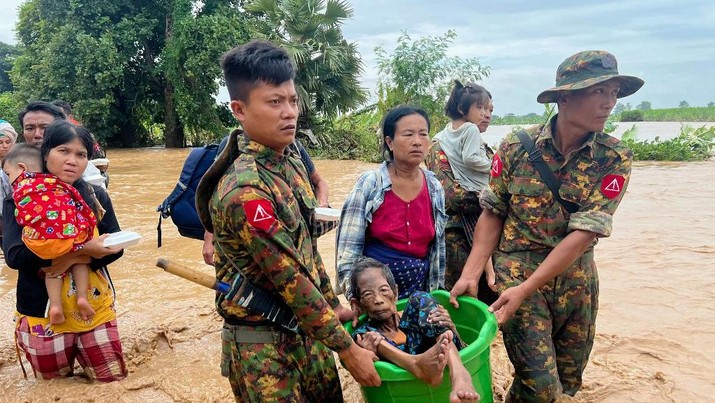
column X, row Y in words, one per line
column 209, row 181
column 546, row 174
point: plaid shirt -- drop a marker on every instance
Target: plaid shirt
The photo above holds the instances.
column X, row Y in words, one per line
column 366, row 197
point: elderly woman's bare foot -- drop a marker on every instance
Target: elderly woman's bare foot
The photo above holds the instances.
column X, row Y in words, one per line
column 429, row 366
column 462, row 388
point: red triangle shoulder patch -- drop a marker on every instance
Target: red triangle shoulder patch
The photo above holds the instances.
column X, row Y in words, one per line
column 259, row 214
column 612, row 185
column 497, row 166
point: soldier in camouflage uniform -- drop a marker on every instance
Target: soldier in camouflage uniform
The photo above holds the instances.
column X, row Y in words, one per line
column 257, row 200
column 544, row 263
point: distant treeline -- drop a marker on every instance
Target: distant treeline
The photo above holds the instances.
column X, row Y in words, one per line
column 688, row 114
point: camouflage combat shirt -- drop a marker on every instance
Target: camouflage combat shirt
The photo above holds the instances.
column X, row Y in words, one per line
column 262, row 215
column 594, row 176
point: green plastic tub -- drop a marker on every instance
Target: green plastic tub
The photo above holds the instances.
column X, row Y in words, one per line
column 476, row 326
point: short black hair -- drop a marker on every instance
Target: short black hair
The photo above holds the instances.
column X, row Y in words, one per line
column 463, row 97
column 40, row 106
column 359, row 268
column 24, row 153
column 64, row 105
column 389, row 124
column 246, row 66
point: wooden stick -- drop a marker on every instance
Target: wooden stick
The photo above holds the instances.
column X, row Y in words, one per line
column 193, row 275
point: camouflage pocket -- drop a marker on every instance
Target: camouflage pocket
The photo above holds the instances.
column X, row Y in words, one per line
column 289, row 214
column 227, row 341
column 526, row 186
column 529, row 196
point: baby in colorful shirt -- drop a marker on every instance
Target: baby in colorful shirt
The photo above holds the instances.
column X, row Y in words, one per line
column 55, row 220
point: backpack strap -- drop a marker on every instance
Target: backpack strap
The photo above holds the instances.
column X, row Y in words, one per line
column 192, row 165
column 210, row 180
column 547, row 176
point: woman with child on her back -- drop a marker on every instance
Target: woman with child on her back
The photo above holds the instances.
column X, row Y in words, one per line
column 461, row 160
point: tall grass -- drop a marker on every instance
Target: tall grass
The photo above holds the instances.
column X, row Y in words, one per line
column 694, row 114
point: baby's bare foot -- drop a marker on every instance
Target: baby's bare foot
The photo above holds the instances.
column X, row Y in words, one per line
column 430, row 364
column 462, row 388
column 85, row 309
column 56, row 315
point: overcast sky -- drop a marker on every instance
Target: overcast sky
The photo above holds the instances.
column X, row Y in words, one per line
column 670, row 44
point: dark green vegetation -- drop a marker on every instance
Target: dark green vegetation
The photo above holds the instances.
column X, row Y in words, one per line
column 417, row 72
column 624, row 113
column 144, row 72
column 692, row 144
column 128, row 67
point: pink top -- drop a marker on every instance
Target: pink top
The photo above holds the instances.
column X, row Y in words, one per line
column 406, row 226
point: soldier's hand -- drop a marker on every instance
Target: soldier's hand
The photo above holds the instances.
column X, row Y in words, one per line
column 344, row 314
column 491, row 276
column 208, row 249
column 359, row 362
column 462, row 287
column 508, row 302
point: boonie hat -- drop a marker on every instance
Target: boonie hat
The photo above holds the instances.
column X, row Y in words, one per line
column 585, row 69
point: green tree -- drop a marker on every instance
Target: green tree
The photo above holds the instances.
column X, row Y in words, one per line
column 644, row 106
column 711, row 104
column 115, row 61
column 683, row 104
column 619, row 108
column 420, row 72
column 190, row 63
column 328, row 66
column 9, row 108
column 8, row 53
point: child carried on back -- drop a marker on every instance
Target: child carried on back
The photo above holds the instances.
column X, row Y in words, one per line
column 56, row 221
column 423, row 340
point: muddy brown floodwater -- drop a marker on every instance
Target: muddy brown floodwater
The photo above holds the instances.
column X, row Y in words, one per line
column 655, row 326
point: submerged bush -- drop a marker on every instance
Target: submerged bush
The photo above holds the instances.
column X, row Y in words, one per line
column 632, row 116
column 353, row 137
column 691, row 145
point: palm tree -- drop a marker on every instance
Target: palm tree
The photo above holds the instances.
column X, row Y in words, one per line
column 328, row 65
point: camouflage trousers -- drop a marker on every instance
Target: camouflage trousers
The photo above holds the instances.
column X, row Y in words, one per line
column 550, row 337
column 458, row 248
column 292, row 369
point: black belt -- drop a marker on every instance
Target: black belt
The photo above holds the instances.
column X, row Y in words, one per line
column 254, row 334
column 234, row 321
